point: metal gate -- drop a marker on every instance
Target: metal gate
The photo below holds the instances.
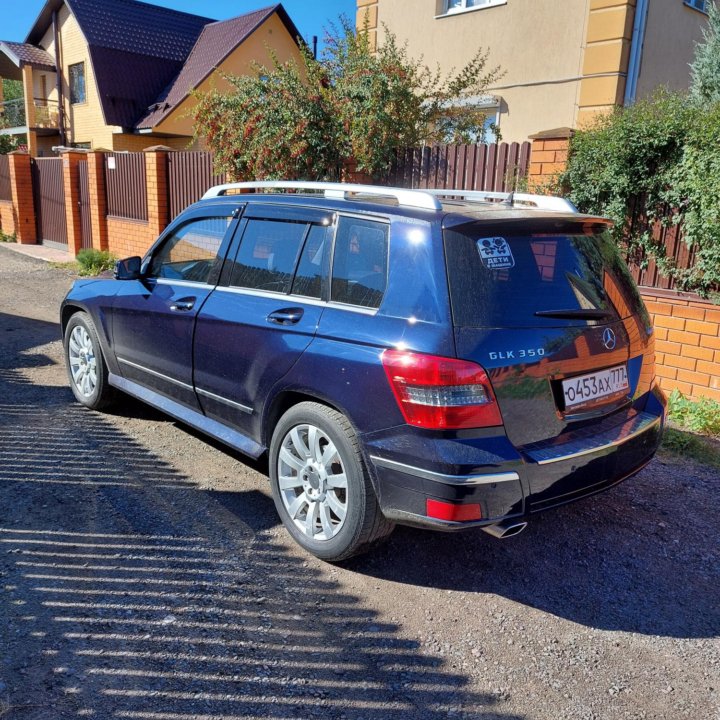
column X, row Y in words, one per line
column 49, row 195
column 84, row 203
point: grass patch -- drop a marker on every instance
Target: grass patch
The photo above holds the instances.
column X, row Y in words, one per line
column 700, row 416
column 4, row 237
column 72, row 266
column 689, row 445
column 694, row 430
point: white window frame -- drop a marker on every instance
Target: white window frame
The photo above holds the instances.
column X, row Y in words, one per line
column 445, row 11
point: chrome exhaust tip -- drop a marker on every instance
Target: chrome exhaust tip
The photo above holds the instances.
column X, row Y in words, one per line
column 505, row 530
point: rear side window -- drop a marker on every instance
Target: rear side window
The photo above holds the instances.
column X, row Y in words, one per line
column 268, row 252
column 504, row 281
column 308, row 277
column 359, row 275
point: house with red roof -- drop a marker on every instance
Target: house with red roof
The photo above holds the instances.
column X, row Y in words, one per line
column 121, row 75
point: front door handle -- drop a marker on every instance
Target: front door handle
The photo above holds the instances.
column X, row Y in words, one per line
column 286, row 316
column 183, row 305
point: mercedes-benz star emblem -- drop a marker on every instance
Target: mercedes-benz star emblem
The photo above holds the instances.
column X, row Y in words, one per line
column 609, row 339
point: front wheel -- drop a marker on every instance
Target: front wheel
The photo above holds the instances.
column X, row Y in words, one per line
column 320, row 486
column 87, row 371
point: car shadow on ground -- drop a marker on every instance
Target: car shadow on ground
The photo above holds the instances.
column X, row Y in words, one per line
column 642, row 557
column 130, row 593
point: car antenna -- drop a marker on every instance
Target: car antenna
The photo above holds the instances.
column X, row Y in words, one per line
column 510, row 199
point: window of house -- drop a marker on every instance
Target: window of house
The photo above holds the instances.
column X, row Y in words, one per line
column 77, row 83
column 449, row 7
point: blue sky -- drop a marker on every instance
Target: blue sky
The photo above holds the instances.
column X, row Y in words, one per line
column 310, row 16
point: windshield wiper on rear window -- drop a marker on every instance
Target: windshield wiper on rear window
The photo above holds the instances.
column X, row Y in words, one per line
column 582, row 314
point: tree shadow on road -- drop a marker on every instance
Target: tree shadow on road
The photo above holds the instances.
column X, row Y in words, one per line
column 129, row 593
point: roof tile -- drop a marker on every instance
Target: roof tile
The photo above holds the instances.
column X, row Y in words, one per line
column 215, row 43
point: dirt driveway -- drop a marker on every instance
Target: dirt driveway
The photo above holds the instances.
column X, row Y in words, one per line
column 145, row 576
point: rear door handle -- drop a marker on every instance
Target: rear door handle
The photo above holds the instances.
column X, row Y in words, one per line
column 286, row 316
column 183, row 305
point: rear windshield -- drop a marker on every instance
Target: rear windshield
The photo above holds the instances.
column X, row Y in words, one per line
column 504, row 281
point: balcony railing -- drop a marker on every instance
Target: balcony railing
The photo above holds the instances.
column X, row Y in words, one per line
column 47, row 114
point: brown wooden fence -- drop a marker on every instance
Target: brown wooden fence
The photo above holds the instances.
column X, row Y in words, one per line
column 49, row 197
column 5, row 187
column 496, row 167
column 126, row 184
column 190, row 174
column 666, row 234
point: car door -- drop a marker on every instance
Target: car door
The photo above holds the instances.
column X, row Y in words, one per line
column 264, row 313
column 153, row 318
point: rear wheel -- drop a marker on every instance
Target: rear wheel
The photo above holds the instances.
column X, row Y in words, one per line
column 320, row 486
column 87, row 371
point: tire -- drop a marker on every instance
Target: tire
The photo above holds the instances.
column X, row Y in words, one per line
column 321, row 489
column 86, row 367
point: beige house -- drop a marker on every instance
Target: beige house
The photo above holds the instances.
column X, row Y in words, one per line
column 119, row 74
column 563, row 60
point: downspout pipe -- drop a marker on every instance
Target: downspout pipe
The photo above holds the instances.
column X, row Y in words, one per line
column 59, row 83
column 636, row 49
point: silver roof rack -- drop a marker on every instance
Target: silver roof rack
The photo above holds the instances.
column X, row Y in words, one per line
column 538, row 202
column 407, row 198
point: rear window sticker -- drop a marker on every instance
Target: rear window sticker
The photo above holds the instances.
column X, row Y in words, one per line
column 495, row 253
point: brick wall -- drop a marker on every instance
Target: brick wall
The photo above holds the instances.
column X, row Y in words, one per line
column 548, row 157
column 127, row 237
column 7, row 219
column 687, row 342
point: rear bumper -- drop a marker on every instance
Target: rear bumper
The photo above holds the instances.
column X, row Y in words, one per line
column 525, row 481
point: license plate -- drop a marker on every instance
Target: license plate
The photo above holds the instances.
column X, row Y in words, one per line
column 585, row 388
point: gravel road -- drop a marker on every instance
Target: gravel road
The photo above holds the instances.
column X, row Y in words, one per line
column 145, row 575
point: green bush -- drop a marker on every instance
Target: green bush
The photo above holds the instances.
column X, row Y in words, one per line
column 659, row 160
column 93, row 262
column 701, row 416
column 306, row 120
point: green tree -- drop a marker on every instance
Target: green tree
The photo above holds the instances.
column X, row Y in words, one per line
column 7, row 144
column 705, row 68
column 12, row 89
column 306, row 120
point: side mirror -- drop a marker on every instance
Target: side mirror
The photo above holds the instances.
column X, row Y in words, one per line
column 128, row 269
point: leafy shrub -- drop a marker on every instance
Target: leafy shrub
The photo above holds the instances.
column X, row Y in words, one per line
column 701, row 416
column 5, row 238
column 307, row 120
column 93, row 262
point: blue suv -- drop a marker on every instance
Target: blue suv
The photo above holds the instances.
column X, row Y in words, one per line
column 444, row 359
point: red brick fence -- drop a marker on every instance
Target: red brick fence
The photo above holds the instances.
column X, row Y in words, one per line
column 122, row 202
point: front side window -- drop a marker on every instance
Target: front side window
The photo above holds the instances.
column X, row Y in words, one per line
column 360, row 260
column 191, row 252
column 309, row 273
column 77, row 83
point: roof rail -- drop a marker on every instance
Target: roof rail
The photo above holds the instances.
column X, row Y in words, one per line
column 538, row 202
column 407, row 198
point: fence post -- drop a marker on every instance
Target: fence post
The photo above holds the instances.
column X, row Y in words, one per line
column 98, row 200
column 71, row 181
column 22, row 197
column 548, row 157
column 156, row 169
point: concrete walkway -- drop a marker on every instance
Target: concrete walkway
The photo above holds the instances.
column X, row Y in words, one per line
column 40, row 252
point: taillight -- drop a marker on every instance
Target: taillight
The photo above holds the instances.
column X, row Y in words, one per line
column 441, row 393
